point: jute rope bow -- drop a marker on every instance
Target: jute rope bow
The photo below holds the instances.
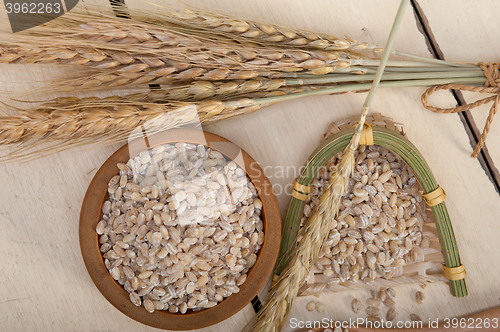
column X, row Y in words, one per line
column 492, row 85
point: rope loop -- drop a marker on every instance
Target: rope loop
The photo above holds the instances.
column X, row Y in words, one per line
column 491, row 85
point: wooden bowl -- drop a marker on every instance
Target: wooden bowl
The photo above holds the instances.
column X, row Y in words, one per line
column 258, row 275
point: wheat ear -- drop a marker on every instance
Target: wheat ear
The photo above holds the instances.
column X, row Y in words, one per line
column 257, row 32
column 70, row 121
column 269, row 34
column 133, row 52
column 226, row 90
column 272, row 316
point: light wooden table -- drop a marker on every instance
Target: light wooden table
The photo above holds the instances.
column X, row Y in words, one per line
column 43, row 282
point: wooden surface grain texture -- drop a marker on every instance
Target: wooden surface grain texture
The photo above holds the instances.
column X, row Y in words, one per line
column 43, row 282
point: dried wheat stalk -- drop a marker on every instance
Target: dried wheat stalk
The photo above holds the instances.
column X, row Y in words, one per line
column 260, row 33
column 207, row 23
column 132, row 52
column 168, row 69
column 257, row 32
column 256, row 88
column 71, row 121
column 205, row 89
column 272, row 316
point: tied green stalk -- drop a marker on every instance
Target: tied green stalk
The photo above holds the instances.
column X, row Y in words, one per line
column 272, row 316
column 401, row 146
column 385, row 56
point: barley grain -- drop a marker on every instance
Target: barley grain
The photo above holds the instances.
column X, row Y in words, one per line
column 310, row 306
column 172, row 243
column 420, row 297
column 391, row 314
column 356, row 305
column 320, row 307
column 415, row 318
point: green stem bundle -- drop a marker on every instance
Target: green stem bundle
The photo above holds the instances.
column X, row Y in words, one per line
column 409, row 153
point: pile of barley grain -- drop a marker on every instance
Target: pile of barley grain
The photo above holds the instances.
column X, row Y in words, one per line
column 181, row 228
column 379, row 225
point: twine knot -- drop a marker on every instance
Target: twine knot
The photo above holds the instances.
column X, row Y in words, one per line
column 491, row 85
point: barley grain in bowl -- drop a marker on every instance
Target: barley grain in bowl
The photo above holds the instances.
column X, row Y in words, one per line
column 182, row 236
column 181, row 227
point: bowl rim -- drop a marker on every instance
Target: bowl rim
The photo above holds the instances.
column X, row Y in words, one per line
column 258, row 275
